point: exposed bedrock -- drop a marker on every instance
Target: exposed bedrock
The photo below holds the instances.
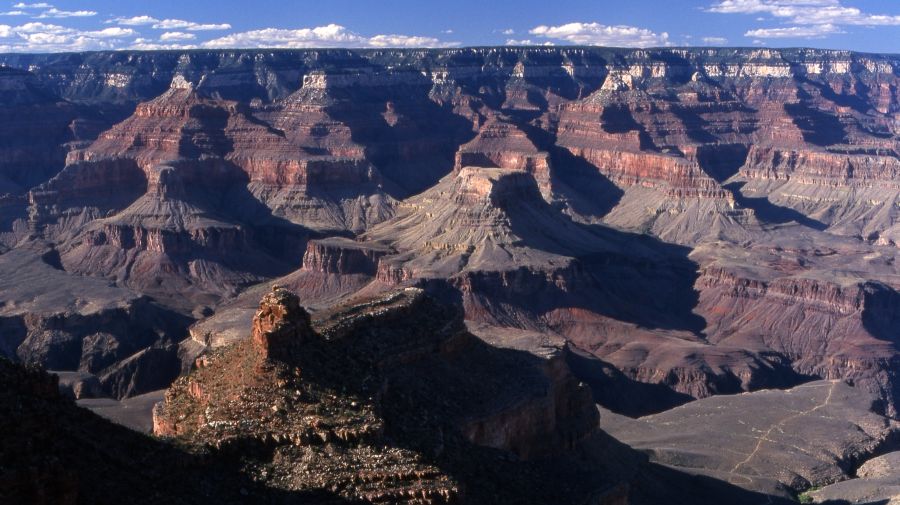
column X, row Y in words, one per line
column 376, row 352
column 822, row 168
column 825, row 328
column 342, row 257
column 876, row 482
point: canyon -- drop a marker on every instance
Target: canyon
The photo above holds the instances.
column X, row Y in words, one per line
column 652, row 231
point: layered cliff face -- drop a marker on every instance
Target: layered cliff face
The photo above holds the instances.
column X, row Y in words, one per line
column 809, row 307
column 518, row 183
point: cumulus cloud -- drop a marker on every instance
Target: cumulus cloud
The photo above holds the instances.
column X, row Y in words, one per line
column 332, row 35
column 405, row 41
column 43, row 37
column 807, row 18
column 111, row 32
column 56, row 13
column 13, row 13
column 596, row 34
column 144, row 44
column 180, row 24
column 794, row 32
column 134, row 21
column 170, row 36
column 508, row 31
column 42, row 28
column 527, row 42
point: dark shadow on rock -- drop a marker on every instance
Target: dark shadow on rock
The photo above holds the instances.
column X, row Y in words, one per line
column 618, row 393
column 630, row 277
column 676, row 487
column 696, row 128
column 560, row 82
column 226, row 196
column 769, row 212
column 415, row 149
column 585, row 190
column 881, row 311
column 52, row 451
column 426, row 401
column 854, row 102
column 617, row 118
column 721, row 161
column 817, row 127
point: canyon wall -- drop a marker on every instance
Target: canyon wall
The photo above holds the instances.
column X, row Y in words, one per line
column 703, row 220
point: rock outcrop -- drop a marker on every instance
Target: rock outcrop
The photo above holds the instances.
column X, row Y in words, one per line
column 281, row 326
column 876, row 482
column 395, row 380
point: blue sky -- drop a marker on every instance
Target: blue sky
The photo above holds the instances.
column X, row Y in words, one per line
column 75, row 25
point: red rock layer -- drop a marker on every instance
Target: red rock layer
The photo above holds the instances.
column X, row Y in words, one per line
column 825, row 328
column 822, row 168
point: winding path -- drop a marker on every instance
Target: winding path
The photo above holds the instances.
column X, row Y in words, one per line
column 765, row 436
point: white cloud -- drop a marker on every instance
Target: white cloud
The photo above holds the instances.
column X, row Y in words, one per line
column 43, row 37
column 322, row 36
column 22, row 5
column 111, row 32
column 56, row 13
column 508, row 31
column 171, row 36
column 808, row 18
column 527, row 42
column 602, row 35
column 405, row 41
column 332, row 35
column 794, row 32
column 143, row 44
column 180, row 24
column 714, row 41
column 42, row 28
column 13, row 13
column 134, row 21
